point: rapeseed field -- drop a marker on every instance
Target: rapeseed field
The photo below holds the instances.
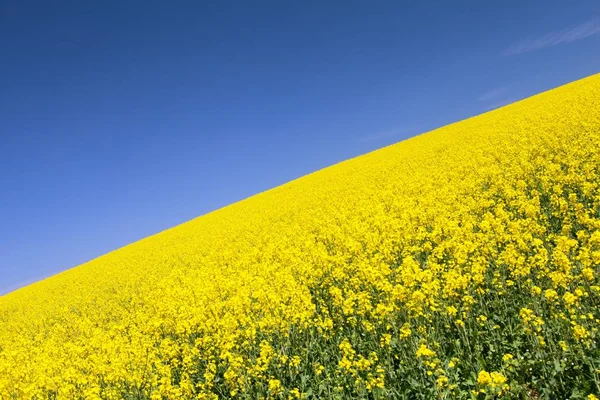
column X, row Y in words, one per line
column 459, row 264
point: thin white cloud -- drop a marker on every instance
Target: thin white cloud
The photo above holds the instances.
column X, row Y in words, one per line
column 492, row 94
column 500, row 103
column 581, row 31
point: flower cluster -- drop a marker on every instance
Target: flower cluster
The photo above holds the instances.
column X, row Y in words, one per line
column 409, row 272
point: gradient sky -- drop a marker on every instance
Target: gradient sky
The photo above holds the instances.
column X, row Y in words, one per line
column 119, row 119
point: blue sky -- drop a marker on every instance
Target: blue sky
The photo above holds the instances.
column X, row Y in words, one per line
column 119, row 119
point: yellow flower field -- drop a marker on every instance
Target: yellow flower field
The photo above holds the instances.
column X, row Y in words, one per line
column 459, row 264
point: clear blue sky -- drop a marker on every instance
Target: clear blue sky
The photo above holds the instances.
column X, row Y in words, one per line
column 119, row 119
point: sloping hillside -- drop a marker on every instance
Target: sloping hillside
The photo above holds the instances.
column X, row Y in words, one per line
column 462, row 263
